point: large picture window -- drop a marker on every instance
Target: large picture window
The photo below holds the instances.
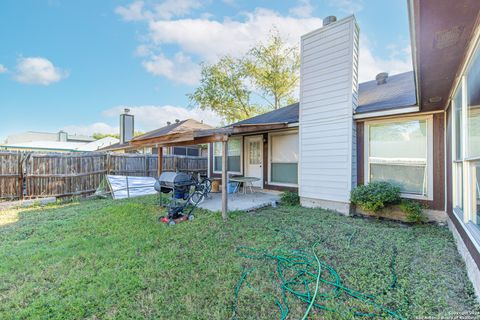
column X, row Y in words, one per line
column 473, row 107
column 398, row 152
column 233, row 158
column 284, row 158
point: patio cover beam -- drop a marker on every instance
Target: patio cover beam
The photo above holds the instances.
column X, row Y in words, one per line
column 224, row 180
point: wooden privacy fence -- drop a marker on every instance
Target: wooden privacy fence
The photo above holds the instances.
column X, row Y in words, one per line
column 10, row 175
column 31, row 175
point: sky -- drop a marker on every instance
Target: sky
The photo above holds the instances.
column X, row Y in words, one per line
column 75, row 65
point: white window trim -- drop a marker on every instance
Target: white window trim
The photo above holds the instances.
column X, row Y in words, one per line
column 241, row 158
column 366, row 144
column 280, row 184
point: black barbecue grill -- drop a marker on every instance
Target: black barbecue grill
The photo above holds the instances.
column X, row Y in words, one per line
column 177, row 182
column 185, row 190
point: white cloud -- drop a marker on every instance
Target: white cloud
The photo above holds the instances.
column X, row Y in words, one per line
column 153, row 117
column 132, row 12
column 146, row 118
column 176, row 8
column 210, row 39
column 347, row 6
column 3, row 69
column 205, row 39
column 167, row 9
column 370, row 65
column 37, row 70
column 303, row 10
column 180, row 69
column 97, row 127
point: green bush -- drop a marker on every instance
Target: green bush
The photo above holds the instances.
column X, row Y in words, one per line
column 290, row 198
column 414, row 211
column 375, row 196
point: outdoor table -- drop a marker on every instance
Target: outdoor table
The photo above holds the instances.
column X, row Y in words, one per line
column 246, row 181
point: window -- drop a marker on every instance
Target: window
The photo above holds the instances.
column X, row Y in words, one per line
column 398, row 152
column 476, row 192
column 458, row 153
column 284, row 158
column 179, row 151
column 234, row 155
column 473, row 107
column 194, row 152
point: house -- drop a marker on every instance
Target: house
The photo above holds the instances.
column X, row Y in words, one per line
column 419, row 129
column 54, row 142
column 127, row 130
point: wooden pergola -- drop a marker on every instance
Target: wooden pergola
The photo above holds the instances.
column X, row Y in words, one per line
column 194, row 137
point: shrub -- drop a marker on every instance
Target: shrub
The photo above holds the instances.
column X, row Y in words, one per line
column 290, row 198
column 414, row 211
column 375, row 196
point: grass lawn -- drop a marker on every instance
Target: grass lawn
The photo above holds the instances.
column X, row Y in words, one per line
column 108, row 259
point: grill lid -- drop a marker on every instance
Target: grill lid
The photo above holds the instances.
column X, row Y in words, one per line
column 175, row 179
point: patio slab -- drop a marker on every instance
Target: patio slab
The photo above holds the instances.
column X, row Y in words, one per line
column 240, row 201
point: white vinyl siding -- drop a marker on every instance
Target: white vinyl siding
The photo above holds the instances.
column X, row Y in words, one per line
column 328, row 96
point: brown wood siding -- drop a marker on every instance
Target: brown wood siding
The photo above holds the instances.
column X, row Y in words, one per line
column 449, row 162
column 360, row 153
column 438, row 202
column 265, row 166
column 265, row 161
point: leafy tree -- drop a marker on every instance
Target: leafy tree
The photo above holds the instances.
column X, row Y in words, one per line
column 273, row 69
column 98, row 136
column 223, row 89
column 228, row 87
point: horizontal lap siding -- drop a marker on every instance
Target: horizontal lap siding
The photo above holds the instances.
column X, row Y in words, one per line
column 328, row 95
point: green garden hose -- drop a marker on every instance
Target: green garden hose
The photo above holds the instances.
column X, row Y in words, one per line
column 297, row 271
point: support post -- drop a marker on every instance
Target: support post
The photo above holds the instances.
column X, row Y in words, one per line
column 224, row 180
column 160, row 160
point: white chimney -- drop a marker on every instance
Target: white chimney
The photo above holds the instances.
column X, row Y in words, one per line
column 328, row 97
column 126, row 126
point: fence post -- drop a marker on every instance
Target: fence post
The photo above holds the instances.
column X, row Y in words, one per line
column 146, row 165
column 160, row 160
column 20, row 157
column 108, row 164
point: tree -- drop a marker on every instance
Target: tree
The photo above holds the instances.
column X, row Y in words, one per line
column 238, row 88
column 223, row 89
column 273, row 69
column 98, row 136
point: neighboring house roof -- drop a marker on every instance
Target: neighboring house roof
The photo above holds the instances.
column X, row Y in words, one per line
column 398, row 92
column 98, row 144
column 188, row 125
column 31, row 136
column 61, row 145
column 44, row 145
column 115, row 146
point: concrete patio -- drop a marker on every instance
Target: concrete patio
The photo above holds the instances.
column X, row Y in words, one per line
column 241, row 202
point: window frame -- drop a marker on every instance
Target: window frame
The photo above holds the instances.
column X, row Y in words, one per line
column 429, row 122
column 467, row 214
column 241, row 156
column 282, row 184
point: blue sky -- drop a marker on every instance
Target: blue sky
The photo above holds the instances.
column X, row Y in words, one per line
column 75, row 64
